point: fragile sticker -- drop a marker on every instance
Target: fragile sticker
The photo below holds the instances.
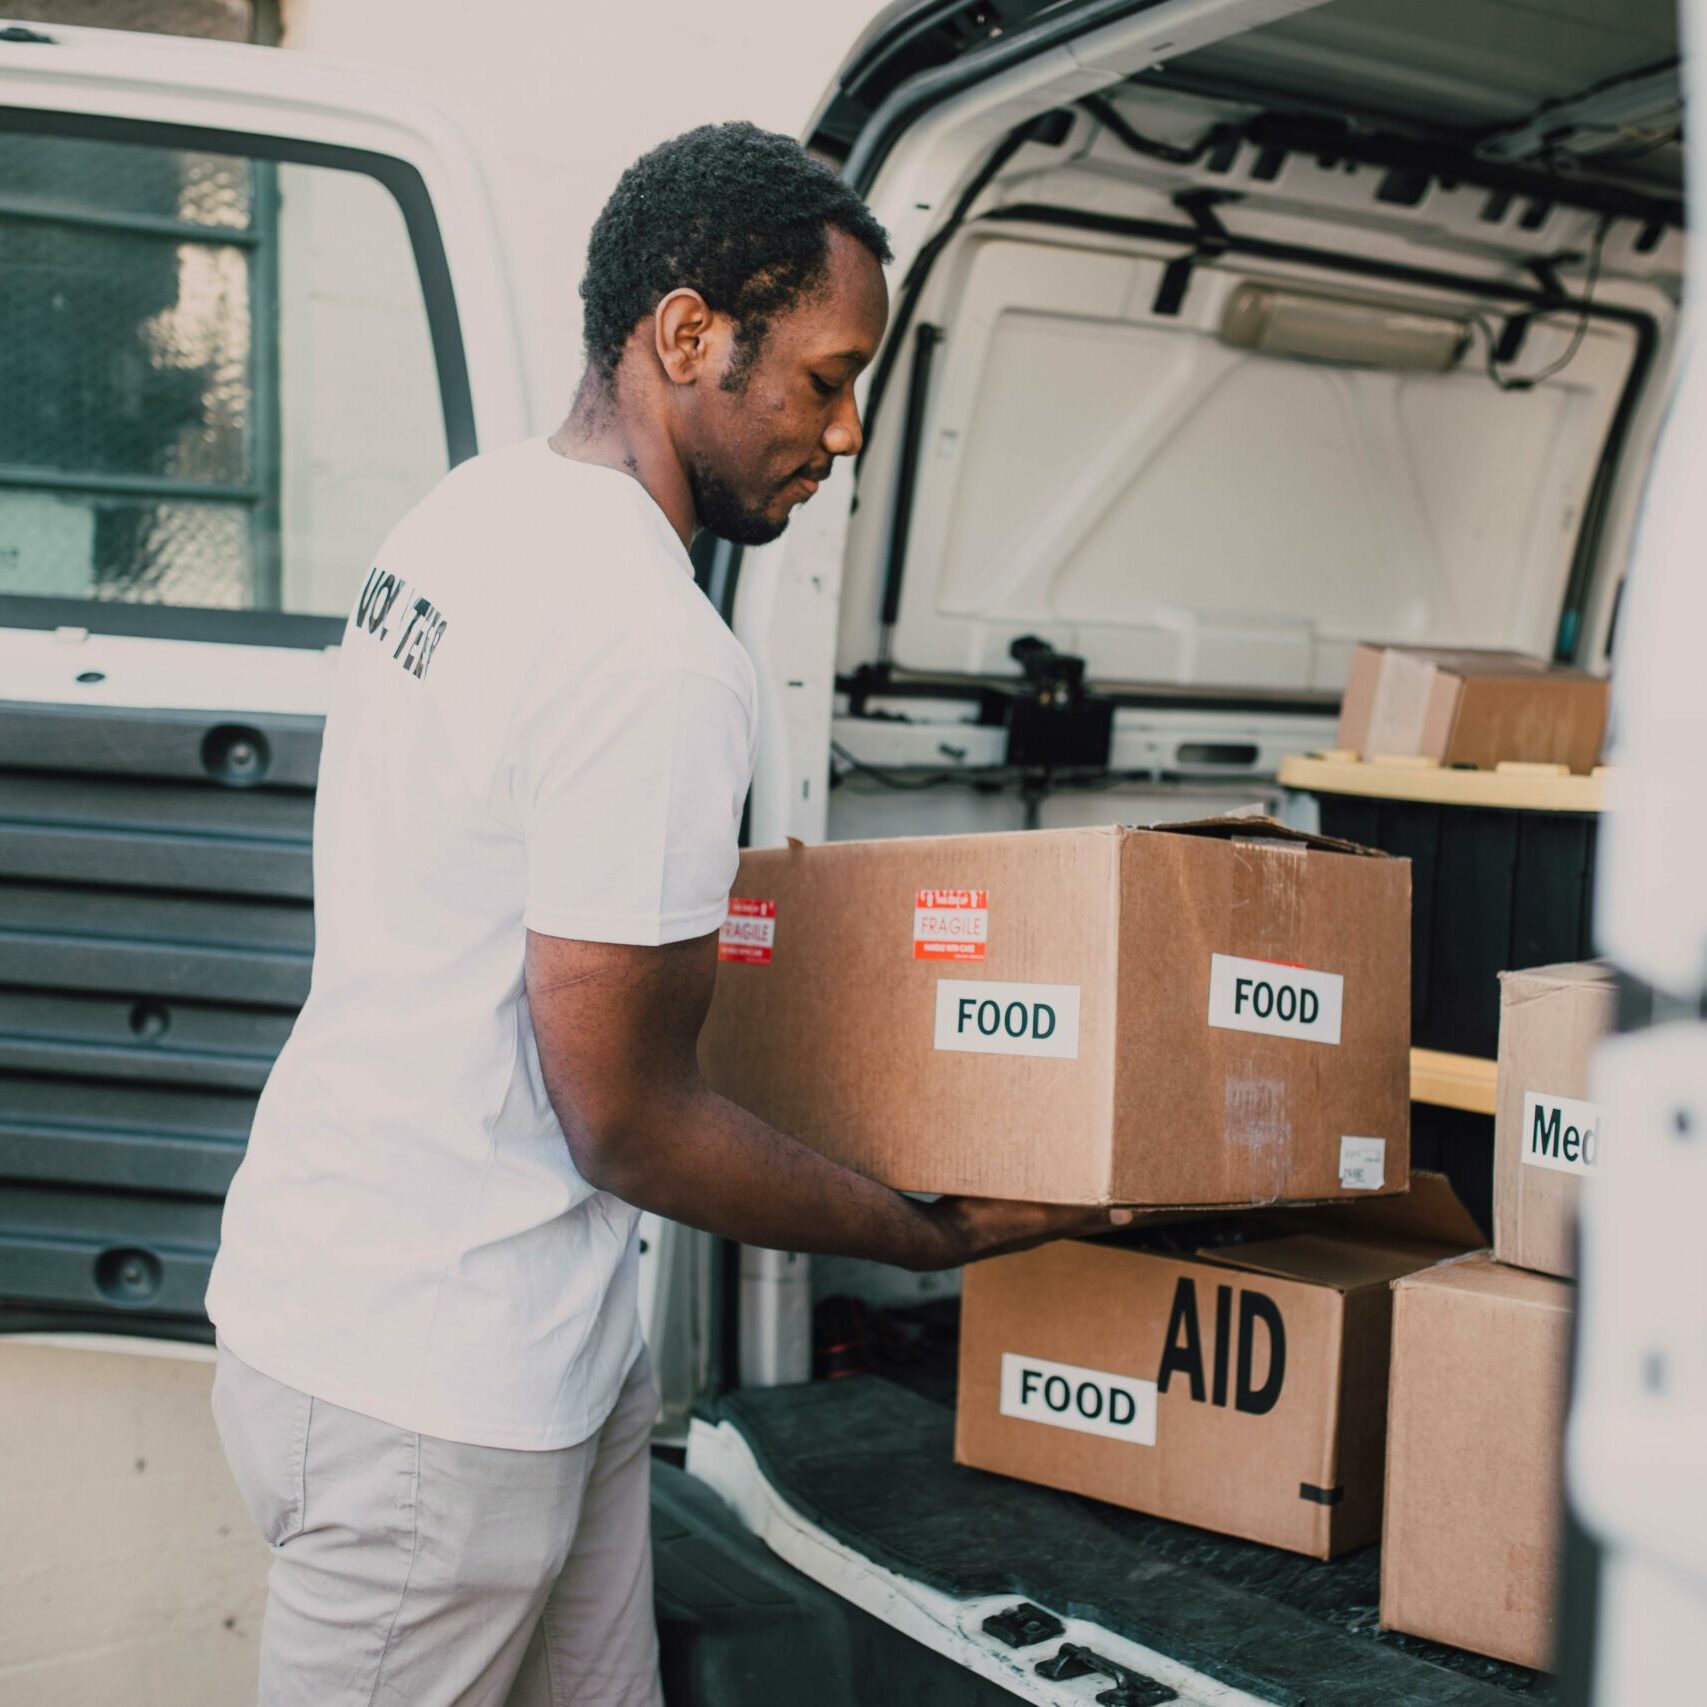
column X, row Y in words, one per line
column 1008, row 1019
column 1089, row 1401
column 1363, row 1163
column 1274, row 998
column 749, row 932
column 1561, row 1133
column 951, row 924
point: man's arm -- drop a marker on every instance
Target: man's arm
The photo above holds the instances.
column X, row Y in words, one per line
column 618, row 1030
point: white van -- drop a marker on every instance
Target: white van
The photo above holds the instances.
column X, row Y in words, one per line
column 1225, row 334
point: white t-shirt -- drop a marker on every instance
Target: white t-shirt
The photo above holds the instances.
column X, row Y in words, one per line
column 538, row 722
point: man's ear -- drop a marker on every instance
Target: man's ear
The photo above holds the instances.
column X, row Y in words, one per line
column 685, row 333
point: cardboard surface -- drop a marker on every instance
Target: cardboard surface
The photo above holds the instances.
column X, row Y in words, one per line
column 1470, row 1547
column 1150, row 1019
column 1238, row 1386
column 1548, row 1137
column 1464, row 707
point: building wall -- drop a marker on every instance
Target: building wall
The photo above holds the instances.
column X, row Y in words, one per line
column 217, row 20
column 559, row 98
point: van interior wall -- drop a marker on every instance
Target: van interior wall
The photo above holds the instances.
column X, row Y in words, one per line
column 1195, row 517
column 1098, row 466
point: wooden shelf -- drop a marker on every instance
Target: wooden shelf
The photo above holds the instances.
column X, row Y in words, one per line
column 1453, row 1081
column 1529, row 788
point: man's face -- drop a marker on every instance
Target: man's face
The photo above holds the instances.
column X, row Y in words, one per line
column 761, row 435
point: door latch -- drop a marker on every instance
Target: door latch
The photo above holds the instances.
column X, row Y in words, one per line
column 1131, row 1688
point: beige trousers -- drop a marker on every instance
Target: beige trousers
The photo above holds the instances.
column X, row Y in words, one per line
column 415, row 1572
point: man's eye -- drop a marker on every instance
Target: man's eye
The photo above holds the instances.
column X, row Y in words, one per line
column 824, row 387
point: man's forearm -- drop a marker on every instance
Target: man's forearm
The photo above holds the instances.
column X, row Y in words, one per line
column 708, row 1163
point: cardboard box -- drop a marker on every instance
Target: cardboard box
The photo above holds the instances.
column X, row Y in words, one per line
column 1471, row 1544
column 1241, row 1387
column 1208, row 1013
column 1547, row 1134
column 1471, row 708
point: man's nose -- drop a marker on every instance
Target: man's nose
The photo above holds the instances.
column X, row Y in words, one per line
column 844, row 435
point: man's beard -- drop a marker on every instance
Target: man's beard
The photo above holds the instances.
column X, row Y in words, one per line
column 718, row 509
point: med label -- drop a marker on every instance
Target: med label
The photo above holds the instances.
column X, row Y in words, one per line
column 1561, row 1133
column 1008, row 1019
column 1088, row 1401
column 1274, row 999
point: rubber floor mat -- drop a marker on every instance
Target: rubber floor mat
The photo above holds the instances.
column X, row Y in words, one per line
column 871, row 1463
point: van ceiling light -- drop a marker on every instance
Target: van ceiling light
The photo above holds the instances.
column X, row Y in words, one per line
column 1342, row 329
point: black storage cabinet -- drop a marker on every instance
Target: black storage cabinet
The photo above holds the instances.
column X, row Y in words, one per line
column 1495, row 886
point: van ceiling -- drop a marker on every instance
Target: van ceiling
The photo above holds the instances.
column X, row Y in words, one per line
column 1588, row 87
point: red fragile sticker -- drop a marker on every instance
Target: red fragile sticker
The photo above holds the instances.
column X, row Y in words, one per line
column 951, row 924
column 749, row 931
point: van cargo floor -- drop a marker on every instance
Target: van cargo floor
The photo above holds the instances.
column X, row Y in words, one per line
column 868, row 1461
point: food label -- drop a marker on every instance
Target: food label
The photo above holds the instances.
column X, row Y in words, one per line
column 1273, row 998
column 1091, row 1401
column 1363, row 1163
column 1008, row 1019
column 951, row 924
column 749, row 932
column 1561, row 1133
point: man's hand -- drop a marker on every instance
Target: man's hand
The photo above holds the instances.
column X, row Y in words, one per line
column 618, row 1029
column 992, row 1227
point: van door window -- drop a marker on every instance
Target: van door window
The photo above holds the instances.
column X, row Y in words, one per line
column 220, row 380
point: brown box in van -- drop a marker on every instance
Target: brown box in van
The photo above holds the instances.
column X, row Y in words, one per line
column 1211, row 1013
column 1547, row 1134
column 1239, row 1386
column 1471, row 708
column 1476, row 1419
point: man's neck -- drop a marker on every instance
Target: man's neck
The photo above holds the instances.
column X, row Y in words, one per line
column 611, row 430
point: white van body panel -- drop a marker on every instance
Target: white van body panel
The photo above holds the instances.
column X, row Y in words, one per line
column 214, row 86
column 167, row 80
column 1635, row 1467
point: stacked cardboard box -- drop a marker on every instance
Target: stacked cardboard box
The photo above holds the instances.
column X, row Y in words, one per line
column 1201, row 1014
column 1470, row 1548
column 1230, row 1373
column 1547, row 1141
column 1462, row 707
column 1208, row 1013
column 1481, row 1349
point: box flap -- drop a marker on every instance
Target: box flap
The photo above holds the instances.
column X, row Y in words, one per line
column 1479, row 1274
column 1471, row 662
column 1429, row 1213
column 1255, row 826
column 1523, row 984
column 1329, row 1259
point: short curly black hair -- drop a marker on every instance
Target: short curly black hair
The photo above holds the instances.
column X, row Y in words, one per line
column 741, row 215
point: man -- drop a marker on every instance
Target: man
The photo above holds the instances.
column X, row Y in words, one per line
column 431, row 1385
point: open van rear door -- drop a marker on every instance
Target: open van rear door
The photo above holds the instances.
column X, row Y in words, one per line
column 252, row 308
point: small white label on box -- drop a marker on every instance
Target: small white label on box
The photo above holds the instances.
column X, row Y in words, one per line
column 749, row 932
column 1561, row 1133
column 1276, row 999
column 1008, row 1019
column 1118, row 1407
column 1363, row 1163
column 951, row 924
